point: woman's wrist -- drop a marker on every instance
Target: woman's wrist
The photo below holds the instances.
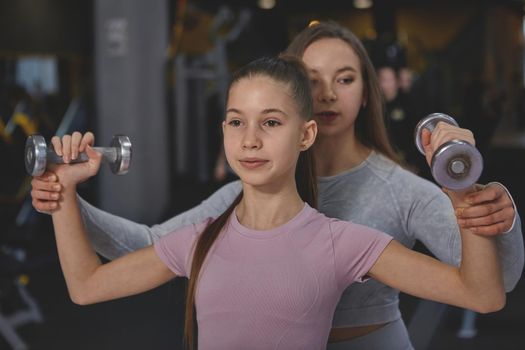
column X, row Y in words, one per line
column 458, row 198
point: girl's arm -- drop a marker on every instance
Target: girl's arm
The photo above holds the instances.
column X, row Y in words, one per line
column 476, row 285
column 89, row 281
column 492, row 212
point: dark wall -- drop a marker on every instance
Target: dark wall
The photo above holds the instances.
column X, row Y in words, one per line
column 59, row 26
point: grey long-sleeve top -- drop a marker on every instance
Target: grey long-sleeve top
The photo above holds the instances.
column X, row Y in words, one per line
column 378, row 193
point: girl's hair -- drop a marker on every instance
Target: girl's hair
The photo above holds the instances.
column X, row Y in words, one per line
column 291, row 72
column 369, row 125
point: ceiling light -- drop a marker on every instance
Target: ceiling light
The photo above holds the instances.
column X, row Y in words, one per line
column 363, row 4
column 266, row 4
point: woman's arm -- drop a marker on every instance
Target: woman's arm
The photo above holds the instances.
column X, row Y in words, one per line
column 113, row 236
column 433, row 223
column 477, row 283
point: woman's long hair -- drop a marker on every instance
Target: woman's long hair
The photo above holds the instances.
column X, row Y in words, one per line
column 369, row 126
column 291, row 72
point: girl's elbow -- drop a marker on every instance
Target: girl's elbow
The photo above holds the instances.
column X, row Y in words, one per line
column 493, row 305
column 80, row 298
column 77, row 299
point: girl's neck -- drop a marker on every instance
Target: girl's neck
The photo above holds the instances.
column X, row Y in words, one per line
column 336, row 154
column 266, row 209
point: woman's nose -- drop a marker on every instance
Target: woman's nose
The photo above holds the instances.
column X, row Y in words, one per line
column 327, row 93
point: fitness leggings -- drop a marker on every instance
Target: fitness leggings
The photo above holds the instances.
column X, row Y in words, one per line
column 393, row 336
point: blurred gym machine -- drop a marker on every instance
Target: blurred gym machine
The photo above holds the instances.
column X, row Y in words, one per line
column 197, row 79
column 17, row 306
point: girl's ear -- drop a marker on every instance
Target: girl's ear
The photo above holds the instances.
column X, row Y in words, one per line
column 309, row 134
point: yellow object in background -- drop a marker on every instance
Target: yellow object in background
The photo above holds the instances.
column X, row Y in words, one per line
column 28, row 125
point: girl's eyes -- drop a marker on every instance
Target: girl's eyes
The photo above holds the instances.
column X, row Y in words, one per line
column 234, row 122
column 272, row 123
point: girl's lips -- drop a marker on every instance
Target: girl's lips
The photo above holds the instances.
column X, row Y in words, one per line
column 252, row 163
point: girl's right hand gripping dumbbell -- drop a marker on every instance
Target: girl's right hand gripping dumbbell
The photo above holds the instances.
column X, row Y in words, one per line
column 47, row 187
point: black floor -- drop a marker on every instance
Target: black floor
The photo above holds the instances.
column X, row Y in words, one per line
column 152, row 320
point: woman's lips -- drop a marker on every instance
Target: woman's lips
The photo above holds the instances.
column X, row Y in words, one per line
column 326, row 117
column 252, row 163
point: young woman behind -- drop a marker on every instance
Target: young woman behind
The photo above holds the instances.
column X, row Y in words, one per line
column 269, row 271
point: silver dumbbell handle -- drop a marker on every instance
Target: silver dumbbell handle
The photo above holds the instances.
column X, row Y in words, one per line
column 109, row 154
column 430, row 122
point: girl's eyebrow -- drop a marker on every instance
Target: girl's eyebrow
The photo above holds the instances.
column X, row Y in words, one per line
column 273, row 110
column 264, row 111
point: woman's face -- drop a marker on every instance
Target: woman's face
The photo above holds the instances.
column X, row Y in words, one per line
column 337, row 85
column 263, row 131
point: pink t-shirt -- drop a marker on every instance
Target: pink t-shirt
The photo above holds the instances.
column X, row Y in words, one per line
column 274, row 289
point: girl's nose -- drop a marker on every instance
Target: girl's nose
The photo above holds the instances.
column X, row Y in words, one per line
column 251, row 139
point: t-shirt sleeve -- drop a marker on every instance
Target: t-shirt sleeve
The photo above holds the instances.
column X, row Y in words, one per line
column 176, row 248
column 356, row 249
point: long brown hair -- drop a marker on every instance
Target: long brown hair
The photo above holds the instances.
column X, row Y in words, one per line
column 369, row 125
column 291, row 72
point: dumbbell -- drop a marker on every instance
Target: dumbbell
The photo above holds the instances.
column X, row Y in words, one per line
column 38, row 155
column 456, row 164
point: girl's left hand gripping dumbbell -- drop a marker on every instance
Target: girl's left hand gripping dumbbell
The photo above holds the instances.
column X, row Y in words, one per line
column 47, row 187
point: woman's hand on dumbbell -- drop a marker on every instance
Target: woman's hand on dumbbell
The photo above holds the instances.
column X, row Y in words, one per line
column 491, row 211
column 460, row 198
column 45, row 192
column 441, row 134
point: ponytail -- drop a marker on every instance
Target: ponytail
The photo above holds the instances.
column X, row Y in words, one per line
column 203, row 246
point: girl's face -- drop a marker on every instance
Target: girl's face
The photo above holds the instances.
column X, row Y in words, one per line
column 263, row 131
column 337, row 85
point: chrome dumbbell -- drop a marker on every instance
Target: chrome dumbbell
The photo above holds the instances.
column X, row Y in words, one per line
column 38, row 155
column 456, row 164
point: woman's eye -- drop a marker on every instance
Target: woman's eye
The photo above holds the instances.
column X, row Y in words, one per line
column 346, row 80
column 272, row 123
